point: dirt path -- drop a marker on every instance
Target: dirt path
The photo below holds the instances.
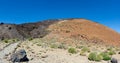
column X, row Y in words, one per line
column 6, row 51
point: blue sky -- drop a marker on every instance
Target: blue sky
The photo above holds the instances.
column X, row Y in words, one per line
column 106, row 12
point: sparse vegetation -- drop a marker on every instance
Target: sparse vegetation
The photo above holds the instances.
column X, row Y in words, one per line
column 99, row 57
column 62, row 46
column 85, row 49
column 105, row 56
column 95, row 57
column 53, row 46
column 79, row 47
column 38, row 44
column 110, row 48
column 82, row 53
column 30, row 38
column 67, row 31
column 13, row 40
column 6, row 41
column 92, row 56
column 111, row 52
column 72, row 50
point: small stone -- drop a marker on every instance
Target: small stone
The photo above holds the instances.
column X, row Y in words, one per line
column 6, row 54
column 118, row 52
column 44, row 56
column 31, row 58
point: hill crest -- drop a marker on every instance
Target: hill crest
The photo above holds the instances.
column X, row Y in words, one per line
column 79, row 29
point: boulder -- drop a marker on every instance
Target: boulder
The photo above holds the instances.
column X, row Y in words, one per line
column 113, row 60
column 19, row 56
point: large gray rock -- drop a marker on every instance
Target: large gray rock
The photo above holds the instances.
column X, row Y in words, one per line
column 113, row 60
column 19, row 56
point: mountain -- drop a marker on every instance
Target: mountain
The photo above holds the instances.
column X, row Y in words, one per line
column 64, row 30
column 26, row 30
column 83, row 30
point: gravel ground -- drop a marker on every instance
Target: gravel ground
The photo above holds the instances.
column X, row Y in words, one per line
column 38, row 54
column 7, row 50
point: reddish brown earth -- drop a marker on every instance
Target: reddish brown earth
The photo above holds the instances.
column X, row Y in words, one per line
column 82, row 29
column 65, row 30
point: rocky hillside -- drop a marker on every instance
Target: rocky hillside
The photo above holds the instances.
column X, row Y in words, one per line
column 26, row 30
column 64, row 30
column 85, row 30
column 59, row 41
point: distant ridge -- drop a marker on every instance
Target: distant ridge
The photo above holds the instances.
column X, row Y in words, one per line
column 80, row 29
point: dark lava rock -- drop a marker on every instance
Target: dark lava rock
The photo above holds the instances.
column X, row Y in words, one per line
column 113, row 60
column 19, row 56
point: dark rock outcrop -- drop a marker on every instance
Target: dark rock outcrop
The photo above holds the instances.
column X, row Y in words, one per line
column 19, row 56
column 26, row 30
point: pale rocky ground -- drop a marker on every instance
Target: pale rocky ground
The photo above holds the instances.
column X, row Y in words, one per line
column 2, row 45
column 6, row 51
column 42, row 53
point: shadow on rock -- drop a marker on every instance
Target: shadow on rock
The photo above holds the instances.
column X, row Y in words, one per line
column 19, row 56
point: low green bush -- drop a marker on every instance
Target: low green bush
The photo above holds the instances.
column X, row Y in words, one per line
column 99, row 58
column 111, row 52
column 92, row 56
column 110, row 48
column 6, row 41
column 72, row 50
column 30, row 38
column 54, row 46
column 82, row 53
column 85, row 49
column 105, row 56
column 95, row 57
column 62, row 46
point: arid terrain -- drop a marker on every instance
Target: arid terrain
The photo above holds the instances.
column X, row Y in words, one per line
column 60, row 41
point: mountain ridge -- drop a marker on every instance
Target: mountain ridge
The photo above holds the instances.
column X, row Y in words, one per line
column 81, row 29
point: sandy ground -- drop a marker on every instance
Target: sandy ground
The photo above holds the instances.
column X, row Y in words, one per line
column 45, row 54
column 39, row 54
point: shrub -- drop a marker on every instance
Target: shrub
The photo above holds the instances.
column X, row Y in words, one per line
column 92, row 56
column 95, row 57
column 53, row 46
column 79, row 47
column 82, row 53
column 99, row 58
column 62, row 46
column 30, row 39
column 111, row 52
column 17, row 39
column 110, row 48
column 13, row 40
column 85, row 49
column 67, row 31
column 72, row 50
column 6, row 41
column 105, row 56
column 38, row 44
